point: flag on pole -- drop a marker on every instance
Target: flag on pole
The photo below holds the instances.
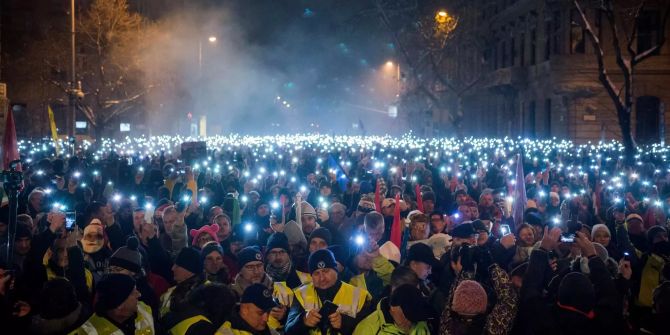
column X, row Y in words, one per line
column 54, row 131
column 419, row 198
column 10, row 149
column 519, row 196
column 378, row 199
column 396, row 229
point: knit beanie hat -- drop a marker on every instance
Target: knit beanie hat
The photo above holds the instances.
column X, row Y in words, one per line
column 294, row 234
column 277, row 241
column 210, row 247
column 411, row 301
column 598, row 227
column 258, row 295
column 576, row 294
column 128, row 257
column 321, row 259
column 341, row 253
column 189, row 259
column 307, row 209
column 322, row 233
column 635, row 224
column 111, row 291
column 653, row 231
column 470, row 299
column 248, row 255
column 206, row 229
column 58, row 299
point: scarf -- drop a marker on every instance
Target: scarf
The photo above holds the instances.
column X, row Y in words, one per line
column 278, row 274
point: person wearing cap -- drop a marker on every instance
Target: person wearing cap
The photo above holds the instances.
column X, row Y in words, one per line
column 635, row 226
column 187, row 273
column 285, row 278
column 207, row 307
column 370, row 270
column 534, row 219
column 352, row 302
column 213, row 263
column 306, row 218
column 128, row 260
column 252, row 270
column 421, row 260
column 138, row 220
column 253, row 313
column 405, row 311
column 483, row 233
column 62, row 310
column 116, row 305
column 320, row 238
column 583, row 304
column 647, row 268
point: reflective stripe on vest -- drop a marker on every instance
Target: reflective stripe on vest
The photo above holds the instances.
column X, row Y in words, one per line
column 226, row 329
column 97, row 325
column 359, row 281
column 305, row 278
column 182, row 327
column 165, row 301
column 283, row 293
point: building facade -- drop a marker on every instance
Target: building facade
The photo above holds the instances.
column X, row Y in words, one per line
column 534, row 71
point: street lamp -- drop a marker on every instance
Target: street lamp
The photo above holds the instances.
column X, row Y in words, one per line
column 390, row 65
column 212, row 40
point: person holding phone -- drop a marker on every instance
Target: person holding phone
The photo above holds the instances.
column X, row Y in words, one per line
column 307, row 315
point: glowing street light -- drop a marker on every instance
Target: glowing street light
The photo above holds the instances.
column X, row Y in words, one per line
column 212, row 39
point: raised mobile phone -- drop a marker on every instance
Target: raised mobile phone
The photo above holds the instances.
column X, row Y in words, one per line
column 70, row 219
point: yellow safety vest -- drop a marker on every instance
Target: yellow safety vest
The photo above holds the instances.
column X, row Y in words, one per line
column 349, row 299
column 359, row 281
column 285, row 297
column 227, row 329
column 51, row 275
column 165, row 301
column 182, row 327
column 97, row 325
column 305, row 278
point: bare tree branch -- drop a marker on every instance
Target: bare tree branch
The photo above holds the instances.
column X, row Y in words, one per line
column 604, row 77
column 661, row 40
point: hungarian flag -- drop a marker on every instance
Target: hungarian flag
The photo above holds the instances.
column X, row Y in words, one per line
column 396, row 229
column 10, row 149
column 519, row 195
column 419, row 198
column 378, row 199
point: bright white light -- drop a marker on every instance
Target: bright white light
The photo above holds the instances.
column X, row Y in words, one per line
column 359, row 240
column 248, row 227
column 116, row 197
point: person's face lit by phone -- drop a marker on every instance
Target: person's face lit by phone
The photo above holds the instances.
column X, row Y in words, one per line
column 487, row 200
column 263, row 210
column 602, row 236
column 324, row 278
column 421, row 269
column 308, row 223
column 526, row 237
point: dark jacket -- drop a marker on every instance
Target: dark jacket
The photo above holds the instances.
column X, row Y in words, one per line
column 541, row 315
column 500, row 318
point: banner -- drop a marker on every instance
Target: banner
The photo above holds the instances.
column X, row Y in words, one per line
column 54, row 131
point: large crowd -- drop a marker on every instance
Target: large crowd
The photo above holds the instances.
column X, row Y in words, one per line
column 316, row 234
